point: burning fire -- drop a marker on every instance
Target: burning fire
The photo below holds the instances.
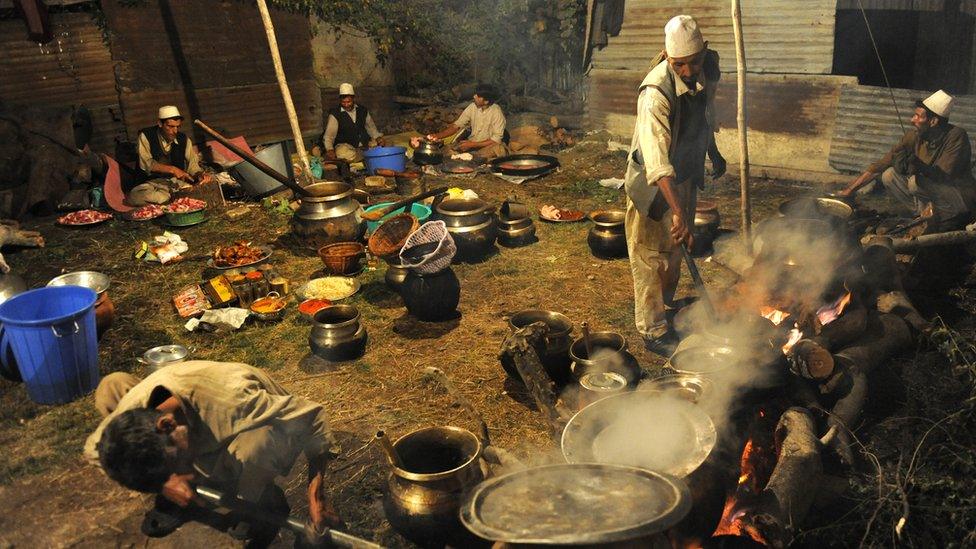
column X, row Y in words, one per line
column 795, row 336
column 773, row 315
column 830, row 313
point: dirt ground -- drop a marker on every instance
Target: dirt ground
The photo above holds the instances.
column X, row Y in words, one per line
column 49, row 497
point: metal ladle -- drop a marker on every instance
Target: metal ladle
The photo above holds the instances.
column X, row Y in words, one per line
column 586, row 340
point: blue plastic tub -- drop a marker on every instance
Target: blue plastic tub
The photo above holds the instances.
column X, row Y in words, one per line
column 52, row 335
column 391, row 158
column 420, row 211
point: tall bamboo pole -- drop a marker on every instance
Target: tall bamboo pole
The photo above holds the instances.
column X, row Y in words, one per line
column 740, row 62
column 285, row 93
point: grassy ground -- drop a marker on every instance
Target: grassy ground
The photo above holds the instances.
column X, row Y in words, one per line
column 383, row 389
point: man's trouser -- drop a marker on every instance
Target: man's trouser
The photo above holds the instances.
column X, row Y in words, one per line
column 916, row 192
column 491, row 152
column 154, row 191
column 655, row 261
column 345, row 151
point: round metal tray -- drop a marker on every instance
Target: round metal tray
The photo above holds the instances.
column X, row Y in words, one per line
column 575, row 504
column 641, row 429
column 524, row 164
column 265, row 254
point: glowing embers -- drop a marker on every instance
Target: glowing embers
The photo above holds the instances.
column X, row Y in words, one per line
column 773, row 314
column 831, row 312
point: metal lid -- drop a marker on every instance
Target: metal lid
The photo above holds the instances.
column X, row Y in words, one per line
column 604, row 382
column 164, row 354
column 574, row 504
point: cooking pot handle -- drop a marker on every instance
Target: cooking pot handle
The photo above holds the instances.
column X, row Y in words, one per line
column 57, row 334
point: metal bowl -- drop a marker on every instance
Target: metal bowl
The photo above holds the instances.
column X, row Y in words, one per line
column 88, row 279
column 690, row 387
column 641, row 429
column 816, row 208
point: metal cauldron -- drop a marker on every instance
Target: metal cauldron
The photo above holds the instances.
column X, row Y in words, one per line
column 337, row 333
column 607, row 238
column 330, row 215
column 439, row 466
column 428, row 153
column 609, row 355
column 471, row 222
column 99, row 283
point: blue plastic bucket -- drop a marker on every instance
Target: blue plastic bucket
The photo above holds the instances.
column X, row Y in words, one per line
column 420, row 211
column 52, row 335
column 391, row 158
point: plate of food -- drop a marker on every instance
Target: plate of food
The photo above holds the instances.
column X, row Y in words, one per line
column 239, row 254
column 551, row 213
column 83, row 218
column 186, row 205
column 146, row 213
column 331, row 288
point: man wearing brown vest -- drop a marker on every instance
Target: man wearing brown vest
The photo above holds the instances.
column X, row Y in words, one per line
column 167, row 161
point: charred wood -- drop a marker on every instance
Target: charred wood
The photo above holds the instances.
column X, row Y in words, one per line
column 520, row 349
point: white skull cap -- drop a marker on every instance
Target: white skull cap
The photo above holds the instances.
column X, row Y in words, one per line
column 169, row 111
column 682, row 37
column 940, row 103
column 346, row 89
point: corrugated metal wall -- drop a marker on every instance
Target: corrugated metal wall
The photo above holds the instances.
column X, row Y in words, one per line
column 867, row 123
column 211, row 59
column 781, row 36
column 905, row 5
column 73, row 69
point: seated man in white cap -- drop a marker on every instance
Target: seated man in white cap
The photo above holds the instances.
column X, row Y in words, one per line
column 487, row 137
column 665, row 169
column 167, row 161
column 930, row 166
column 349, row 128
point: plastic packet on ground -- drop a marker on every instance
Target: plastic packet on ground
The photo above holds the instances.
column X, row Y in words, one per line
column 230, row 318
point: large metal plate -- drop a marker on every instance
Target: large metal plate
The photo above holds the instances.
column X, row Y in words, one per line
column 524, row 164
column 641, row 429
column 575, row 504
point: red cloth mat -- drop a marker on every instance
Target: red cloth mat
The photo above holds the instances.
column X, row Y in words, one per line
column 226, row 157
column 114, row 195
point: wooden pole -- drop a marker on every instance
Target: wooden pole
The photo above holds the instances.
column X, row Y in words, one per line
column 285, row 93
column 740, row 62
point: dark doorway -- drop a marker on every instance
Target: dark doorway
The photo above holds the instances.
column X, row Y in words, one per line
column 895, row 32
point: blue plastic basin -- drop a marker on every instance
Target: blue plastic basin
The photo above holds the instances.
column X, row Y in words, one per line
column 420, row 211
column 391, row 158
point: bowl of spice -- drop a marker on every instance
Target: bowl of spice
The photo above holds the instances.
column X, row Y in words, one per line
column 269, row 308
column 309, row 307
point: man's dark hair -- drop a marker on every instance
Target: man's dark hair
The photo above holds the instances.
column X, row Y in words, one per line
column 942, row 119
column 487, row 92
column 132, row 453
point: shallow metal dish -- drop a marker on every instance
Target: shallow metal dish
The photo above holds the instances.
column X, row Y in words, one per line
column 524, row 164
column 704, row 361
column 95, row 281
column 641, row 429
column 816, row 208
column 576, row 504
column 265, row 254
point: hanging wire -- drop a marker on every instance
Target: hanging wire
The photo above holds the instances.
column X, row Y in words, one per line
column 881, row 63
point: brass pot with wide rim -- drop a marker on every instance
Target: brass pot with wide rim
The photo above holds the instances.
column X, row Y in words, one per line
column 607, row 238
column 337, row 333
column 439, row 465
column 331, row 214
column 472, row 224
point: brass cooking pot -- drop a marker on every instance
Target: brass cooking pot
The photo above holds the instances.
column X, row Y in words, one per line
column 439, row 466
column 607, row 238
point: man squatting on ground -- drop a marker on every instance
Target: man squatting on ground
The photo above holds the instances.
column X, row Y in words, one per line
column 349, row 128
column 932, row 164
column 665, row 169
column 167, row 161
column 487, row 121
column 224, row 425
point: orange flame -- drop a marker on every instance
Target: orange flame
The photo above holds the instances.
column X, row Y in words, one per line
column 795, row 336
column 830, row 313
column 774, row 315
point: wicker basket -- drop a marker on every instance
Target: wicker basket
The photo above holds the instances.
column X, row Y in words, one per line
column 389, row 237
column 342, row 258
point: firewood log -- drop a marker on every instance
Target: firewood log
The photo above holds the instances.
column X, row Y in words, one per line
column 520, row 348
column 950, row 238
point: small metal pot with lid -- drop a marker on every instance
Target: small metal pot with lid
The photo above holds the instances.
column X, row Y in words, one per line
column 164, row 355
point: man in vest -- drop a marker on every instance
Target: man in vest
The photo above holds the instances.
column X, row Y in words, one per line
column 349, row 128
column 665, row 168
column 930, row 168
column 486, row 140
column 167, row 161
